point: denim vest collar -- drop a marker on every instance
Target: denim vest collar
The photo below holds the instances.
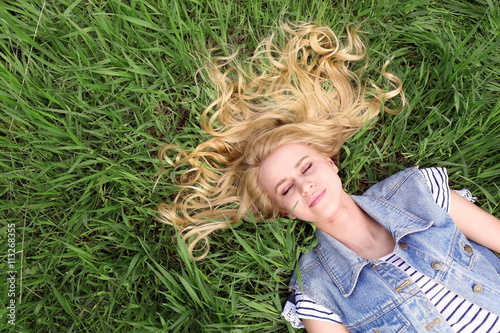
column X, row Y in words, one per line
column 345, row 266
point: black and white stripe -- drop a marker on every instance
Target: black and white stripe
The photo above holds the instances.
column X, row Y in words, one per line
column 437, row 179
column 300, row 307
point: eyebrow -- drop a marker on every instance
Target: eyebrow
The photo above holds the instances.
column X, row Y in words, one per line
column 282, row 180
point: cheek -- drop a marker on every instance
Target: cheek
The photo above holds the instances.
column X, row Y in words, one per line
column 290, row 204
column 279, row 203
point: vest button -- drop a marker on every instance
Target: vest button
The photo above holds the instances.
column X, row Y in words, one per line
column 468, row 249
column 478, row 289
column 403, row 246
column 437, row 265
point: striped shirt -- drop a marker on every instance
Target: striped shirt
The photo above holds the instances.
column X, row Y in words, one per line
column 462, row 315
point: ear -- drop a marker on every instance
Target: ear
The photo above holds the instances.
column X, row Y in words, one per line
column 332, row 163
column 287, row 214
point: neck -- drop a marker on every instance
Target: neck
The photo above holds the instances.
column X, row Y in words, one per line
column 354, row 228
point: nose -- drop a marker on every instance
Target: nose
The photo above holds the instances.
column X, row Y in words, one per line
column 307, row 186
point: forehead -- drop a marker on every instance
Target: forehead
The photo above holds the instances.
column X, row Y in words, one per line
column 282, row 159
column 289, row 153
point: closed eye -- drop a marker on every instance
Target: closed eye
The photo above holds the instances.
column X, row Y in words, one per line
column 287, row 189
column 307, row 168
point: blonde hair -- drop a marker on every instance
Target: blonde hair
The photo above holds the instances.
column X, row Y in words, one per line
column 297, row 88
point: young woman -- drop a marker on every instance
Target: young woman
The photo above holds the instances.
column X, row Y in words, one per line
column 277, row 128
column 391, row 260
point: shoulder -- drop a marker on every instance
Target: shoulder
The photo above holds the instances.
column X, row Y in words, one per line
column 310, row 278
column 422, row 192
column 411, row 180
column 308, row 263
column 437, row 181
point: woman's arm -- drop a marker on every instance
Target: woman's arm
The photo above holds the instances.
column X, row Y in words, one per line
column 476, row 224
column 320, row 326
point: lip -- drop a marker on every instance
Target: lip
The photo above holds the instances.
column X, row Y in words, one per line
column 316, row 198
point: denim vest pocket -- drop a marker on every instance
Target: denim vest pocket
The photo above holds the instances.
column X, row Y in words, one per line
column 392, row 321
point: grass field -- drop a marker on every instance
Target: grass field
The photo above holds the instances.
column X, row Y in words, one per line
column 90, row 89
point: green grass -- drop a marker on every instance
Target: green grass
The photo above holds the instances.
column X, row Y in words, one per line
column 90, row 91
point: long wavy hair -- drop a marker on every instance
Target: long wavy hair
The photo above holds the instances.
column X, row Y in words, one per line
column 298, row 87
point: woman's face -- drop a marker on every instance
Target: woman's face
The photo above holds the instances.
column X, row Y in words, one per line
column 303, row 182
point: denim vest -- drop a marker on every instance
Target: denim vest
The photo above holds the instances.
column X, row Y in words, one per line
column 376, row 296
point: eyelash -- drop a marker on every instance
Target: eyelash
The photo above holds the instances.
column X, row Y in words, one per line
column 303, row 172
column 307, row 168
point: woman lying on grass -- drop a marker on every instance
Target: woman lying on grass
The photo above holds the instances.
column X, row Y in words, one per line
column 408, row 255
